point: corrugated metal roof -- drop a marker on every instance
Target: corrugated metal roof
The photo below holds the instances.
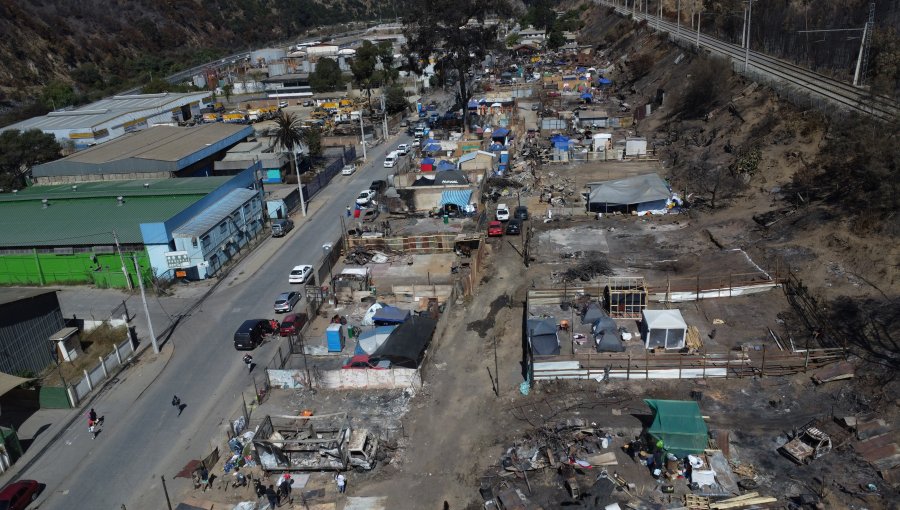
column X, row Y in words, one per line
column 105, row 110
column 162, row 143
column 13, row 294
column 85, row 221
column 213, row 215
column 129, row 188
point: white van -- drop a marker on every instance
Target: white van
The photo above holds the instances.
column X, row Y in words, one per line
column 390, row 161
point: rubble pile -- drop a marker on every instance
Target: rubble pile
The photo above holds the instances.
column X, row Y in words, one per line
column 360, row 256
column 592, row 265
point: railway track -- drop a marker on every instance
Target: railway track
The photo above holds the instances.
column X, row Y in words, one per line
column 836, row 92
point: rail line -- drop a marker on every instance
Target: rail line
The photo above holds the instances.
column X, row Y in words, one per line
column 837, row 92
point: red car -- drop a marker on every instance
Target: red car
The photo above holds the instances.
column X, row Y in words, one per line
column 366, row 361
column 291, row 325
column 495, row 229
column 18, row 495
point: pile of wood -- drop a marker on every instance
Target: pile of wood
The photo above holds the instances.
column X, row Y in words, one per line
column 751, row 499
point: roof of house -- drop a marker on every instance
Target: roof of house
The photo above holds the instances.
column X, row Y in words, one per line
column 88, row 214
column 664, row 319
column 474, row 154
column 13, row 294
column 632, row 190
column 213, row 215
column 106, row 110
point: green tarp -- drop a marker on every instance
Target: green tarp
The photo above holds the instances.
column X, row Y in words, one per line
column 680, row 426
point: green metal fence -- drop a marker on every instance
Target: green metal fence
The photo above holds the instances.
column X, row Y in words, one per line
column 100, row 269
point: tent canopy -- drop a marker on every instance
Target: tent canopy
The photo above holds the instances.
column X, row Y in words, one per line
column 459, row 197
column 453, row 176
column 390, row 315
column 542, row 336
column 632, row 190
column 371, row 340
column 406, row 345
column 499, row 133
column 663, row 328
column 8, row 382
column 680, row 426
column 433, row 147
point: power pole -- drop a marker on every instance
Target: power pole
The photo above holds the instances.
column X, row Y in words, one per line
column 747, row 46
column 862, row 62
column 122, row 258
column 165, row 489
column 362, row 134
column 140, row 280
column 384, row 118
column 678, row 21
column 299, row 182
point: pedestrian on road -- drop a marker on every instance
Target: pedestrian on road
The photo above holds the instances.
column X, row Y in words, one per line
column 349, row 211
column 176, row 401
column 271, row 496
column 284, row 487
column 341, row 482
column 92, row 427
column 92, row 415
column 248, row 359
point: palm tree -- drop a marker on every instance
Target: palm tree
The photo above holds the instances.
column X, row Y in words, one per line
column 288, row 136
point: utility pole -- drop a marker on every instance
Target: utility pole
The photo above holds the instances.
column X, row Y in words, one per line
column 747, row 47
column 299, row 182
column 362, row 134
column 659, row 18
column 140, row 280
column 122, row 259
column 166, row 491
column 384, row 118
column 678, row 21
column 862, row 62
column 744, row 29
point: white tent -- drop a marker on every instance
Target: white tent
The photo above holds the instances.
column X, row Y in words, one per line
column 663, row 328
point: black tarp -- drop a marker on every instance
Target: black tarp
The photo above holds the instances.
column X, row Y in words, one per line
column 606, row 335
column 592, row 313
column 542, row 335
column 406, row 346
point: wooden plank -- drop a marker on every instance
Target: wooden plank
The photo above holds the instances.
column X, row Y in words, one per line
column 743, row 503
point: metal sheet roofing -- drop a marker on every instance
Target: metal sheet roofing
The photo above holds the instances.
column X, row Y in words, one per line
column 108, row 109
column 127, row 189
column 213, row 215
column 457, row 197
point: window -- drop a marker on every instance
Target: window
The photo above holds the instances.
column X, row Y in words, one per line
column 194, row 242
column 205, row 242
column 214, row 261
column 223, row 228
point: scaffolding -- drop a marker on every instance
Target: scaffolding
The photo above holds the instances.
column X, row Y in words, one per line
column 625, row 297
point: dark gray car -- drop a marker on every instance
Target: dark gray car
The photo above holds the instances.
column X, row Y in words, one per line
column 281, row 227
column 286, row 301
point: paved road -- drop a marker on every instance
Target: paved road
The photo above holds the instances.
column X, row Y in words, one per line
column 144, row 437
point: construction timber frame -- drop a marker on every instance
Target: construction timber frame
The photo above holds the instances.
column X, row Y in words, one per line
column 625, row 297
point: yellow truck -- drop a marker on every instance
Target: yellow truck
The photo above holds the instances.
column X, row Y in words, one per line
column 211, row 117
column 234, row 118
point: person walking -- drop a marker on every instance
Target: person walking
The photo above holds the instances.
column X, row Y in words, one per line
column 271, row 496
column 92, row 427
column 349, row 211
column 176, row 401
column 248, row 359
column 284, row 488
column 341, row 482
column 92, row 415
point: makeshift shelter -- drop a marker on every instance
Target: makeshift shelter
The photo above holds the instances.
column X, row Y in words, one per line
column 606, row 335
column 370, row 313
column 370, row 341
column 387, row 315
column 448, row 177
column 542, row 337
column 663, row 329
column 641, row 193
column 445, row 165
column 591, row 313
column 460, row 197
column 679, row 425
column 432, row 147
column 405, row 347
column 427, row 165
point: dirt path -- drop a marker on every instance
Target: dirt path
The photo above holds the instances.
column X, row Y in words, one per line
column 456, row 424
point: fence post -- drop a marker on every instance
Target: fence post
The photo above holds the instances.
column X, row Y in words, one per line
column 762, row 368
column 727, row 362
column 103, row 366
column 118, row 355
column 646, row 364
column 703, row 357
column 88, row 379
column 628, row 369
column 680, row 359
column 806, row 361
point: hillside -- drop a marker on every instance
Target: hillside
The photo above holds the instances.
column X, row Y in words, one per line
column 102, row 46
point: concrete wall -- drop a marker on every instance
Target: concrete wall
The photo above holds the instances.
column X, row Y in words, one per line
column 399, row 378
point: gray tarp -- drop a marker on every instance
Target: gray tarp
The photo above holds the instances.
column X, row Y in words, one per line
column 633, row 190
column 542, row 335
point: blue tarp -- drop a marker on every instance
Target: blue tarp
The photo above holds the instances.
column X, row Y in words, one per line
column 459, row 197
column 433, row 147
column 497, row 147
column 473, row 104
column 580, row 69
column 445, row 165
column 500, row 133
column 390, row 315
column 587, row 95
column 604, row 81
column 428, row 161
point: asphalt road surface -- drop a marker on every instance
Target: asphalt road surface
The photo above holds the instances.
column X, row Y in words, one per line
column 143, row 435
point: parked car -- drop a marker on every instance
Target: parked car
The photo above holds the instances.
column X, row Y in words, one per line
column 18, row 495
column 250, row 334
column 368, row 215
column 286, row 301
column 810, row 443
column 514, row 227
column 364, row 361
column 281, row 227
column 300, row 274
column 292, row 324
column 535, row 107
column 378, row 186
column 348, row 169
column 521, row 213
column 282, row 104
column 365, row 196
column 495, row 229
column 403, row 149
column 502, row 212
column 416, row 143
column 309, row 103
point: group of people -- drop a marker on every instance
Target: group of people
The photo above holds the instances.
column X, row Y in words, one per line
column 275, row 496
column 94, row 423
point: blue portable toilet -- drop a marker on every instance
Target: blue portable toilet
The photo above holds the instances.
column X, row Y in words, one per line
column 334, row 337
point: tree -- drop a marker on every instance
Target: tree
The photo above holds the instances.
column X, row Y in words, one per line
column 389, row 71
column 58, row 94
column 289, row 136
column 327, row 76
column 363, row 67
column 452, row 34
column 555, row 40
column 20, row 151
column 312, row 137
column 540, row 14
column 395, row 100
column 227, row 89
